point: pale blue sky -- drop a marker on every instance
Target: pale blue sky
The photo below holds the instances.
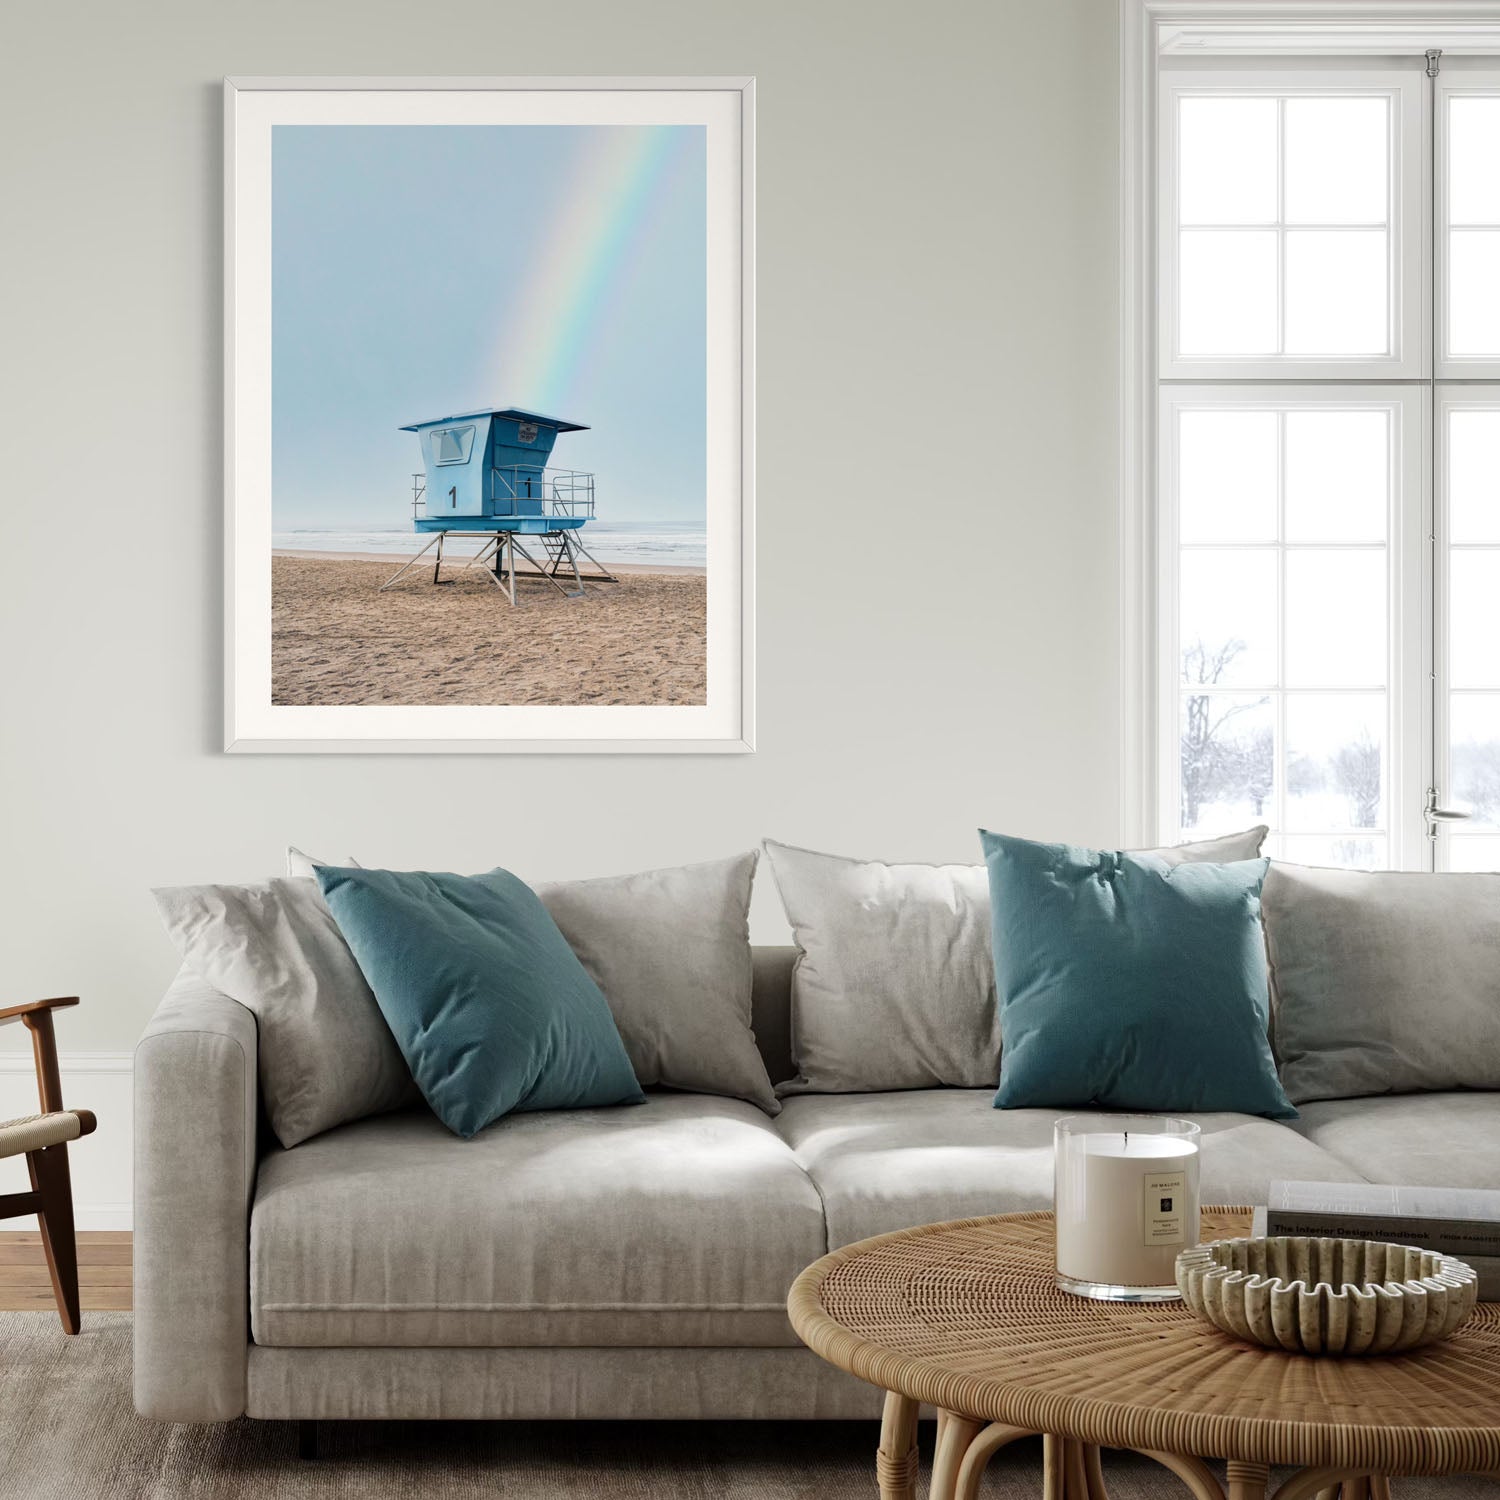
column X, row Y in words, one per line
column 419, row 271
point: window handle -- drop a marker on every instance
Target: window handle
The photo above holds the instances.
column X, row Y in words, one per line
column 1435, row 814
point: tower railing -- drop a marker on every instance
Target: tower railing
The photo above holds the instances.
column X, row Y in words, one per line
column 570, row 492
column 566, row 492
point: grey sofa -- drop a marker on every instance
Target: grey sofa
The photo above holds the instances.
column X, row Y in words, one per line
column 617, row 1263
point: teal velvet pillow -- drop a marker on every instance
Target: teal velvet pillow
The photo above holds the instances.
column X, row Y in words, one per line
column 486, row 1000
column 1128, row 983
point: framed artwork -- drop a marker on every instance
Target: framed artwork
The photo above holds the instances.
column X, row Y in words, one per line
column 489, row 397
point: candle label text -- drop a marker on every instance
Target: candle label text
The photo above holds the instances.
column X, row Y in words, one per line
column 1166, row 1201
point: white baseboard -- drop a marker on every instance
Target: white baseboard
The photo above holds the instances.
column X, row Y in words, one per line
column 100, row 1163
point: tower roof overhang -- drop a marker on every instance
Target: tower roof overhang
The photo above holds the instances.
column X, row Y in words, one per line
column 517, row 413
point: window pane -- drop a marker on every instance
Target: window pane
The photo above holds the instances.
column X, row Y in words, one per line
column 451, row 444
column 1467, row 853
column 1228, row 292
column 1226, row 468
column 1353, row 851
column 1227, row 750
column 1335, row 619
column 1336, row 169
column 1228, row 620
column 1337, row 465
column 1474, row 756
column 1335, row 761
column 1474, row 476
column 1474, row 291
column 1336, row 292
column 1474, row 619
column 1228, row 161
column 1473, row 151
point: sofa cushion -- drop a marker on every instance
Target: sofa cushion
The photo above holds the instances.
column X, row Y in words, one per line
column 681, row 1221
column 1127, row 982
column 894, row 986
column 1383, row 982
column 890, row 1161
column 326, row 1053
column 490, row 1006
column 670, row 949
column 1412, row 1140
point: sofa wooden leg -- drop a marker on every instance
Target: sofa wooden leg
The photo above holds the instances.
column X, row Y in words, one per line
column 307, row 1440
column 50, row 1182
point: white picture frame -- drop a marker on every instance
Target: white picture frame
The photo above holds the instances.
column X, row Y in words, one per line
column 725, row 722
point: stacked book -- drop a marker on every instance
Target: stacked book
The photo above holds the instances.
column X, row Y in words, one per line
column 1463, row 1222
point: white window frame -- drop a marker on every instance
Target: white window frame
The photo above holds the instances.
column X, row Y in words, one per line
column 1405, row 406
column 1470, row 82
column 1408, row 341
column 1451, row 399
column 1240, row 33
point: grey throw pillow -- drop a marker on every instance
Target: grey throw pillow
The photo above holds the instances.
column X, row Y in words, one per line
column 326, row 1054
column 670, row 949
column 895, row 983
column 1383, row 982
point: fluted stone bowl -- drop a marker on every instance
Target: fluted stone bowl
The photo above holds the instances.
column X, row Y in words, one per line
column 1315, row 1296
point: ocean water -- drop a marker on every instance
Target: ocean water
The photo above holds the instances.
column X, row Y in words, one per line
column 642, row 542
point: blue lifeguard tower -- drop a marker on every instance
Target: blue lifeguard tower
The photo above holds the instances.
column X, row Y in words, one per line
column 485, row 474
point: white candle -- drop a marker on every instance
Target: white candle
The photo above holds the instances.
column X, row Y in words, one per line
column 1126, row 1201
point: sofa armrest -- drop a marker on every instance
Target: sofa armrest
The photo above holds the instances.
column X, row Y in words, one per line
column 196, row 1112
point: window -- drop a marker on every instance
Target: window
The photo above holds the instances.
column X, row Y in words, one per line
column 451, row 445
column 1282, row 208
column 1471, row 238
column 1470, row 617
column 1324, row 458
column 1287, row 601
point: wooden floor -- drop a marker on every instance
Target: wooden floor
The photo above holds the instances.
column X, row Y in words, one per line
column 103, row 1271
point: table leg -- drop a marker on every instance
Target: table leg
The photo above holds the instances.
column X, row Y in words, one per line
column 1193, row 1472
column 1052, row 1466
column 896, row 1458
column 1075, row 1471
column 983, row 1447
column 1093, row 1473
column 958, row 1433
column 1247, row 1481
column 1326, row 1480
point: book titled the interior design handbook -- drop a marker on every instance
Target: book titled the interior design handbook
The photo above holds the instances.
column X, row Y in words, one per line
column 1463, row 1222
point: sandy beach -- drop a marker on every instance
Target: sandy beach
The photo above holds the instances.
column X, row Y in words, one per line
column 335, row 639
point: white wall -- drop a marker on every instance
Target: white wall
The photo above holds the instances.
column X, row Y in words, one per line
column 936, row 255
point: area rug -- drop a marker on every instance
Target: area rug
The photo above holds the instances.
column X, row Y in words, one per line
column 67, row 1432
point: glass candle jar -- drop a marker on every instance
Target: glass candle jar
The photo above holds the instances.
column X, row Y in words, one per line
column 1125, row 1197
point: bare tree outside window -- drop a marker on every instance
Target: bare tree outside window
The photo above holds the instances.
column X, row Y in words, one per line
column 1223, row 758
column 1357, row 774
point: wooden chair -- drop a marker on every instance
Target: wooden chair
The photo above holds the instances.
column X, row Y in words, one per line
column 44, row 1140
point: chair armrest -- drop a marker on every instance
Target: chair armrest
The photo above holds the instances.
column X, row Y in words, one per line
column 196, row 1104
column 36, row 1016
column 32, row 1007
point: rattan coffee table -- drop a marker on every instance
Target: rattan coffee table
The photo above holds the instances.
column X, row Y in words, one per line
column 966, row 1317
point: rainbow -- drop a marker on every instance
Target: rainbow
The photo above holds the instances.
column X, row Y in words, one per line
column 582, row 260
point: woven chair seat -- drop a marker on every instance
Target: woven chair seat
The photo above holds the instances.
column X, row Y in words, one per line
column 35, row 1132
